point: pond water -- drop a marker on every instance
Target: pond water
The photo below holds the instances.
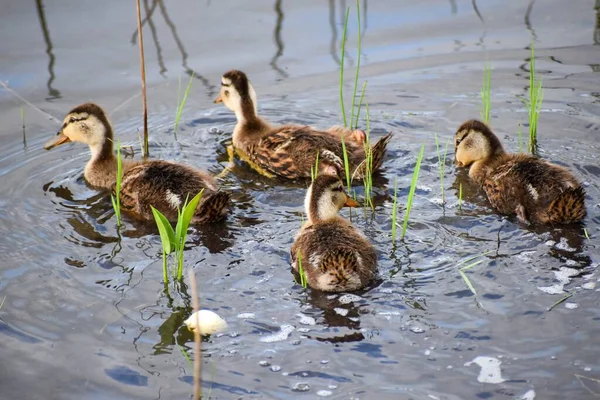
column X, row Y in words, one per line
column 83, row 310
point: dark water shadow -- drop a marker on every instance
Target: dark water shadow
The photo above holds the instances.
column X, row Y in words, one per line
column 52, row 92
column 527, row 20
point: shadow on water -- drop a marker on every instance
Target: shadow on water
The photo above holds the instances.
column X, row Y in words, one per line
column 149, row 10
column 52, row 92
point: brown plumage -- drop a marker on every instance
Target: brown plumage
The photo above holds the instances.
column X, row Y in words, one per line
column 535, row 190
column 335, row 256
column 161, row 184
column 289, row 151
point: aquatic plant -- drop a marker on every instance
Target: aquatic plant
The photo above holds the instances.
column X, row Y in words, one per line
column 174, row 240
column 181, row 102
column 460, row 196
column 314, row 171
column 442, row 164
column 486, row 92
column 301, row 271
column 368, row 176
column 534, row 102
column 197, row 341
column 461, row 270
column 355, row 109
column 411, row 193
column 145, row 149
column 116, row 199
column 395, row 210
column 346, row 164
column 585, row 232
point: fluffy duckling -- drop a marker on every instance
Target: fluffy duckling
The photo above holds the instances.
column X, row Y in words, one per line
column 289, row 151
column 533, row 189
column 161, row 184
column 335, row 256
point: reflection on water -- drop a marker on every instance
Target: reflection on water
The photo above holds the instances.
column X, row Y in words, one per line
column 528, row 19
column 597, row 27
column 149, row 10
column 278, row 40
column 52, row 92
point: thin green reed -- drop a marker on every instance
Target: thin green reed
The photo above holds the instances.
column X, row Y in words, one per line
column 116, row 199
column 314, row 170
column 486, row 94
column 442, row 164
column 460, row 196
column 411, row 193
column 358, row 54
column 181, row 101
column 346, row 164
column 368, row 177
column 360, row 103
column 342, row 67
column 301, row 271
column 534, row 102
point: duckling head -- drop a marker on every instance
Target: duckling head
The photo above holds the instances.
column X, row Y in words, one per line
column 474, row 141
column 325, row 198
column 86, row 123
column 238, row 95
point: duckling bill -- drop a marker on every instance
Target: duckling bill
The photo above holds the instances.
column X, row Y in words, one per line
column 536, row 190
column 335, row 256
column 161, row 184
column 289, row 151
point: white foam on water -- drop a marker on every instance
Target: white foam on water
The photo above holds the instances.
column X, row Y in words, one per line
column 324, row 393
column 283, row 334
column 571, row 306
column 554, row 289
column 247, row 315
column 529, row 395
column 306, row 320
column 341, row 311
column 490, row 369
column 349, row 298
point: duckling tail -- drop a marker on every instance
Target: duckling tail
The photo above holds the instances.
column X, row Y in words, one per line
column 378, row 153
column 567, row 207
column 213, row 208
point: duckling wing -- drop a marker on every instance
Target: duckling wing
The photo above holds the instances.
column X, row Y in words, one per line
column 165, row 186
column 291, row 151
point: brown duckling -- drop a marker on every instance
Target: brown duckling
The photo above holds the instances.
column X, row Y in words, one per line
column 335, row 256
column 535, row 190
column 161, row 184
column 289, row 151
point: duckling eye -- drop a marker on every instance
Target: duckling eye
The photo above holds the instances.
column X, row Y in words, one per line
column 72, row 119
column 458, row 140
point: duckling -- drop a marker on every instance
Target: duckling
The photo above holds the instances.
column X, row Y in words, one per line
column 289, row 151
column 161, row 184
column 335, row 256
column 535, row 190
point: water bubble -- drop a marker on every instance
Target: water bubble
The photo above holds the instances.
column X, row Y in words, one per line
column 301, row 387
column 571, row 306
column 416, row 329
column 264, row 363
column 306, row 320
column 324, row 361
column 247, row 315
column 341, row 311
column 275, row 368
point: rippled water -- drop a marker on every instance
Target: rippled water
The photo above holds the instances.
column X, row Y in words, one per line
column 84, row 312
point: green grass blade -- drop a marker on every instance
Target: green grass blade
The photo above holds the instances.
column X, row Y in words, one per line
column 185, row 355
column 411, row 193
column 468, row 282
column 486, row 91
column 342, row 67
column 314, row 170
column 357, row 67
column 368, row 178
column 585, row 232
column 360, row 103
column 167, row 235
column 460, row 196
column 346, row 163
column 183, row 101
column 301, row 271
